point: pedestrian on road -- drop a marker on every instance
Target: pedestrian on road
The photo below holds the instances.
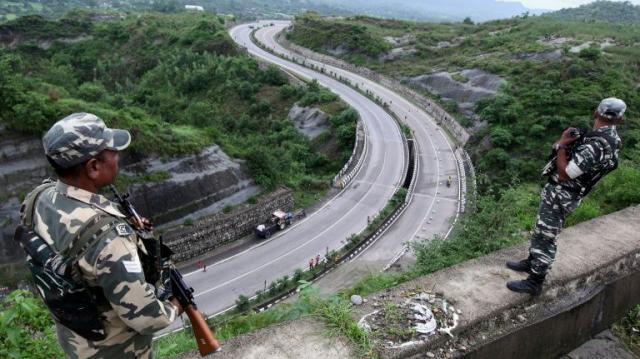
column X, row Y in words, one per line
column 581, row 160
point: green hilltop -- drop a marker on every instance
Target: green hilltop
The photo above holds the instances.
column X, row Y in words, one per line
column 179, row 83
column 607, row 11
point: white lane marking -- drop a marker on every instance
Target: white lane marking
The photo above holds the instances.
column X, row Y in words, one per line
column 280, row 234
column 286, row 253
column 374, row 115
column 418, row 111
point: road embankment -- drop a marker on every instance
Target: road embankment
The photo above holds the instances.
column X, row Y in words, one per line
column 594, row 282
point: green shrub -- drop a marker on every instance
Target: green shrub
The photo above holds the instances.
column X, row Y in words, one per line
column 92, row 91
column 26, row 328
column 242, row 304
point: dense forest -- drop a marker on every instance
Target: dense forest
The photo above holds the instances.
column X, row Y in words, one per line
column 179, row 83
column 555, row 73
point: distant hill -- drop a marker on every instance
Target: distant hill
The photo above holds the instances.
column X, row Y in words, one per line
column 439, row 10
column 606, row 11
column 421, row 10
column 245, row 9
column 429, row 10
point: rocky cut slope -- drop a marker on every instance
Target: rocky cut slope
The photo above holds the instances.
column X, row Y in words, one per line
column 210, row 124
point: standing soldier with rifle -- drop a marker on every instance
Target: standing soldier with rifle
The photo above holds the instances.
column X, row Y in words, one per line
column 578, row 162
column 104, row 277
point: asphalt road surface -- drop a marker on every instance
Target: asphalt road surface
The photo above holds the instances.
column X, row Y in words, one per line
column 433, row 207
column 327, row 228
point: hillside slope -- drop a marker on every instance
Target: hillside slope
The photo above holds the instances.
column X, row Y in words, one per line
column 177, row 81
column 549, row 75
column 607, row 11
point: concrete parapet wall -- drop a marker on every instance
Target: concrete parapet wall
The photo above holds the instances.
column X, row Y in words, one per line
column 351, row 168
column 213, row 231
column 594, row 282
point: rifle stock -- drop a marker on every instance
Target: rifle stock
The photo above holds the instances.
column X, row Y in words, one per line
column 207, row 344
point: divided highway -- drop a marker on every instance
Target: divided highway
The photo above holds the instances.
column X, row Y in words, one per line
column 432, row 210
column 378, row 178
column 434, row 206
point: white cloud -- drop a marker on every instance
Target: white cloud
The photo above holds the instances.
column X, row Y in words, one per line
column 558, row 4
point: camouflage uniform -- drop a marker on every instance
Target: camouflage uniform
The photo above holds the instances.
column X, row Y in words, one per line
column 129, row 307
column 590, row 160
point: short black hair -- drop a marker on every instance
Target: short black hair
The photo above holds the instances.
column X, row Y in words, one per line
column 73, row 170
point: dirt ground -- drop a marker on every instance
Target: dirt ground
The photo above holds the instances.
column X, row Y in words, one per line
column 305, row 338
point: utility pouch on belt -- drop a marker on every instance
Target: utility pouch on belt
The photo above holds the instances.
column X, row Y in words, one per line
column 72, row 303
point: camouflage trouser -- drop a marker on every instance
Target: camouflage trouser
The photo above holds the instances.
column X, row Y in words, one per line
column 556, row 204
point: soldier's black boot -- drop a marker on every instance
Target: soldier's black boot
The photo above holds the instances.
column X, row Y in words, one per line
column 520, row 266
column 532, row 285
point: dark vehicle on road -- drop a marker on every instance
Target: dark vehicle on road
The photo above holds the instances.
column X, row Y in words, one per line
column 278, row 221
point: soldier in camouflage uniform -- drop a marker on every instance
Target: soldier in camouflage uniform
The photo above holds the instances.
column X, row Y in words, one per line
column 571, row 177
column 84, row 154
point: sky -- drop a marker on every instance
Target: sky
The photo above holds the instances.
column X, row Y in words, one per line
column 558, row 4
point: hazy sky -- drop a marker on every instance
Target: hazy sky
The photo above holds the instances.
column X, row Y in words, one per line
column 557, row 4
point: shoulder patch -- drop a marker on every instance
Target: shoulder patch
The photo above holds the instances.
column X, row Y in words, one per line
column 123, row 229
column 132, row 266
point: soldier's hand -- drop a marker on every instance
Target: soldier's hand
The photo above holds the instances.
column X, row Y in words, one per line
column 146, row 223
column 175, row 302
column 567, row 137
column 143, row 223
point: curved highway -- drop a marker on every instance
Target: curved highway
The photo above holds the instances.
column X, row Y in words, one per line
column 380, row 175
column 432, row 210
column 433, row 207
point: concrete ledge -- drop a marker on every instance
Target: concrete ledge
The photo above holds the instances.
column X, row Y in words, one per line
column 595, row 280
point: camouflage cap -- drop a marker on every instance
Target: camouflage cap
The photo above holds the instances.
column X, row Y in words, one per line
column 81, row 136
column 612, row 108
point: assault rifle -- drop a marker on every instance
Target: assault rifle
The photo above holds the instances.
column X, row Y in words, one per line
column 152, row 262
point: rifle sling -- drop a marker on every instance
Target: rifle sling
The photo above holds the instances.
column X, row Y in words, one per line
column 92, row 230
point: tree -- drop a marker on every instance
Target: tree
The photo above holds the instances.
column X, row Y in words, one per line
column 591, row 53
column 501, row 137
column 242, row 304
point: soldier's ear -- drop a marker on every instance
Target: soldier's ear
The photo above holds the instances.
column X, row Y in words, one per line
column 92, row 168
